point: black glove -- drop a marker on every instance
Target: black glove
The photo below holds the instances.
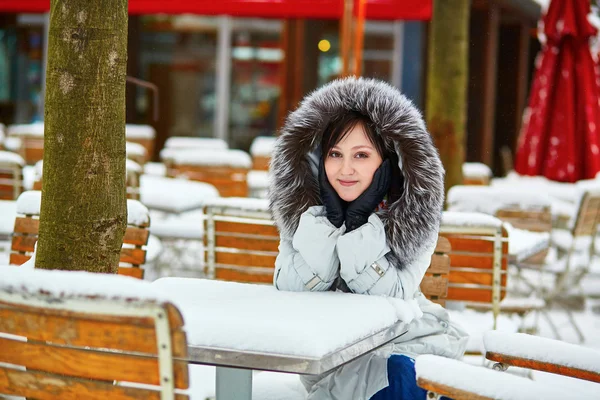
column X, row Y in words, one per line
column 334, row 205
column 359, row 210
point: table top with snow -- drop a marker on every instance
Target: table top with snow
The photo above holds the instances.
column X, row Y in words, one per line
column 261, row 320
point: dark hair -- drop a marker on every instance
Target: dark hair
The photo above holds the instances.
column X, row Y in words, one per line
column 338, row 128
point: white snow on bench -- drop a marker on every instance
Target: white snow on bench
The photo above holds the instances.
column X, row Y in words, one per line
column 489, row 200
column 258, row 179
column 183, row 143
column 542, row 349
column 155, row 168
column 256, row 317
column 132, row 166
column 137, row 213
column 242, row 203
column 475, row 169
column 483, row 381
column 70, row 284
column 11, row 158
column 174, row 195
column 12, row 143
column 262, row 146
column 454, row 219
column 134, row 131
column 135, row 149
column 35, row 129
column 188, row 226
column 208, row 158
column 522, row 244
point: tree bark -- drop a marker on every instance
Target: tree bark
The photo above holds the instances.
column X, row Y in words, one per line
column 447, row 79
column 84, row 211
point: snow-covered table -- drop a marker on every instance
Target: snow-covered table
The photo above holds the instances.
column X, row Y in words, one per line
column 240, row 327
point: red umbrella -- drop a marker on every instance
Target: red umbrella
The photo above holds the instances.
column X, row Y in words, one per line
column 559, row 138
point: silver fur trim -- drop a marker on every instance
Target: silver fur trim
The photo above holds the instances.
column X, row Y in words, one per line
column 412, row 222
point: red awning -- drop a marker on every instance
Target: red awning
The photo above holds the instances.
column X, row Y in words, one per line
column 376, row 9
column 560, row 138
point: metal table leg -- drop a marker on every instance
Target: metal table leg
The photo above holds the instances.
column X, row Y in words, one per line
column 234, row 384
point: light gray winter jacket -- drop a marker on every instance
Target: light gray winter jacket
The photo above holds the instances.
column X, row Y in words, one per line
column 388, row 255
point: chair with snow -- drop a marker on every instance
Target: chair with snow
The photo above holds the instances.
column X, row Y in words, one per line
column 533, row 353
column 11, row 175
column 135, row 241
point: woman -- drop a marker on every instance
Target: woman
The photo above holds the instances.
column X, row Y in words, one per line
column 357, row 192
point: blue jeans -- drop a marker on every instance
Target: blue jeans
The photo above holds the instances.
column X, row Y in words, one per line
column 402, row 379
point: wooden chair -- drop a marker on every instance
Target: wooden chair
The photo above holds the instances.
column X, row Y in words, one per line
column 242, row 244
column 143, row 135
column 532, row 220
column 260, row 150
column 136, row 152
column 31, row 137
column 26, row 231
column 76, row 347
column 542, row 354
column 476, row 174
column 11, row 175
column 227, row 170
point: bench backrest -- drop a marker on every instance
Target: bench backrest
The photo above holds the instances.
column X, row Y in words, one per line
column 242, row 245
column 78, row 347
column 588, row 215
column 261, row 163
column 11, row 180
column 478, row 264
column 535, row 220
column 229, row 181
column 133, row 252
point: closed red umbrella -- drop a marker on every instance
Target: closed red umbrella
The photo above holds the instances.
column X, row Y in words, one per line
column 559, row 138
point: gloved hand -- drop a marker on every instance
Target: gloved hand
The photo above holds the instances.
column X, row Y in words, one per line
column 358, row 211
column 334, row 205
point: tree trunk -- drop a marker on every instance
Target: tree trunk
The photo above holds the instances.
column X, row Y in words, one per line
column 84, row 211
column 447, row 79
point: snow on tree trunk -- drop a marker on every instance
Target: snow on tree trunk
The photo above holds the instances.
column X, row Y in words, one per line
column 84, row 211
column 447, row 78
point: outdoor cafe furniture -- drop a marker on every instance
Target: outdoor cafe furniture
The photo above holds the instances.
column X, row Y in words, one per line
column 476, row 173
column 175, row 143
column 243, row 327
column 136, row 152
column 260, row 150
column 174, row 196
column 225, row 169
column 30, row 140
column 141, row 134
column 11, row 175
column 258, row 184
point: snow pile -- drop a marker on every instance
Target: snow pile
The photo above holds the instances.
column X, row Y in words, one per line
column 134, row 131
column 258, row 179
column 208, row 158
column 132, row 166
column 261, row 318
column 542, row 349
column 474, row 169
column 9, row 157
column 35, row 129
column 8, row 213
column 522, row 244
column 70, row 284
column 12, row 143
column 174, row 195
column 242, row 203
column 184, row 143
column 29, row 202
column 455, row 219
column 484, row 382
column 262, row 146
column 137, row 213
column 135, row 149
column 489, row 200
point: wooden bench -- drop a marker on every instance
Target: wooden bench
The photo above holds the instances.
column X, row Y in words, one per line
column 136, row 152
column 133, row 252
column 11, row 175
column 242, row 243
column 261, row 149
column 227, row 170
column 90, row 347
column 143, row 135
column 476, row 173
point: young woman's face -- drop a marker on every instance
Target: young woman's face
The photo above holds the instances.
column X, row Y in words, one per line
column 351, row 163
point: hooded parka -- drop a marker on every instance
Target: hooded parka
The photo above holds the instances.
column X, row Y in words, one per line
column 388, row 255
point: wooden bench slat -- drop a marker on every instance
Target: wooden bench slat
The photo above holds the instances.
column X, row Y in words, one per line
column 23, row 243
column 463, row 243
column 30, row 226
column 250, row 260
column 243, row 243
column 90, row 364
column 134, row 272
column 260, row 163
column 434, row 286
column 448, row 391
column 543, row 366
column 18, row 258
column 463, row 277
column 471, row 294
column 136, row 236
column 475, row 261
column 240, row 227
column 440, row 264
column 240, row 276
column 71, row 331
column 45, row 386
column 133, row 256
column 443, row 245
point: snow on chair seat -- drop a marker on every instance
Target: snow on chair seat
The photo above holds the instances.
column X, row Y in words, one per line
column 11, row 175
column 31, row 140
column 72, row 334
column 227, row 170
column 26, row 231
column 136, row 152
column 476, row 173
column 260, row 150
column 542, row 354
column 442, row 376
column 141, row 134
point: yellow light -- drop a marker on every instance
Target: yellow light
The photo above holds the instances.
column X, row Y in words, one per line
column 324, row 45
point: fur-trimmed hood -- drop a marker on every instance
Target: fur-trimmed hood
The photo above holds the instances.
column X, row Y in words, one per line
column 412, row 221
